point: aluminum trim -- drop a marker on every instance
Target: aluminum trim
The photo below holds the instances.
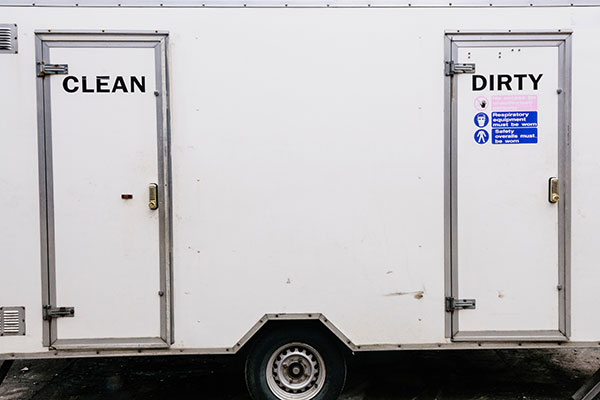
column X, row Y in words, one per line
column 42, row 188
column 483, row 345
column 505, row 336
column 100, row 44
column 561, row 39
column 300, row 3
column 522, row 43
column 453, row 195
column 134, row 39
column 447, row 189
column 164, row 243
column 458, row 36
column 565, row 124
column 49, row 199
column 111, row 343
column 562, row 181
column 487, row 343
column 168, row 191
column 52, row 33
column 269, row 317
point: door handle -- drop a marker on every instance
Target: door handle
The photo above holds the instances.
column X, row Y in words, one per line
column 153, row 196
column 553, row 196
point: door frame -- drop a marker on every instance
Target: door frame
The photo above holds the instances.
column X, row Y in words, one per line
column 44, row 40
column 561, row 39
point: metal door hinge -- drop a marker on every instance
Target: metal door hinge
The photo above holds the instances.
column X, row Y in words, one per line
column 452, row 68
column 459, row 304
column 44, row 69
column 49, row 312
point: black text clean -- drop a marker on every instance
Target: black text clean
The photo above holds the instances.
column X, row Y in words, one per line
column 104, row 84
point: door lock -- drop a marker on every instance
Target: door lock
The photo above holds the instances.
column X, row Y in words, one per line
column 553, row 196
column 153, row 196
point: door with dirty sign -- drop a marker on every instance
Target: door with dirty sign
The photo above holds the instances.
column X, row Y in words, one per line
column 508, row 185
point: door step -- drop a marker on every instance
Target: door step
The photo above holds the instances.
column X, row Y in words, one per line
column 109, row 344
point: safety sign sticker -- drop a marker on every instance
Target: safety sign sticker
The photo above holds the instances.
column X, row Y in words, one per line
column 481, row 136
column 515, row 102
column 514, row 119
column 514, row 135
column 481, row 120
column 481, row 103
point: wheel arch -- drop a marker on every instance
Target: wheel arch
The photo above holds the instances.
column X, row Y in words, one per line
column 316, row 321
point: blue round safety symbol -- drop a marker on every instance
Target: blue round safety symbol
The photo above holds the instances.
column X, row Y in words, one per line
column 481, row 136
column 481, row 120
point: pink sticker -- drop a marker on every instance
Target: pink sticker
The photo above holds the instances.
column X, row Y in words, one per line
column 481, row 103
column 527, row 102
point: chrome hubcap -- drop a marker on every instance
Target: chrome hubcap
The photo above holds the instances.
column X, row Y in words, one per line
column 295, row 371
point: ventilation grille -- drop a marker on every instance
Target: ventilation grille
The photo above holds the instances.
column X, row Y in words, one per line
column 8, row 39
column 12, row 321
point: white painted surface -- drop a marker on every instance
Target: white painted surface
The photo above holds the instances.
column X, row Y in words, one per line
column 586, row 171
column 105, row 145
column 20, row 279
column 307, row 148
column 507, row 240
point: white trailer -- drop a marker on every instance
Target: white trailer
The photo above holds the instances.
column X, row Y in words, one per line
column 297, row 179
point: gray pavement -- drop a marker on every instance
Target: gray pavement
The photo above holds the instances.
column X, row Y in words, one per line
column 448, row 375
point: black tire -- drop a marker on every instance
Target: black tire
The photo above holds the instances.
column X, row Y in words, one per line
column 295, row 348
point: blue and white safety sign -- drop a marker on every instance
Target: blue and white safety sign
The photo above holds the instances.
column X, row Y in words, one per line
column 514, row 135
column 481, row 136
column 514, row 127
column 481, row 120
column 515, row 119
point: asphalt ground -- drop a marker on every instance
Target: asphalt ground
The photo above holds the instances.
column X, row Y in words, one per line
column 448, row 375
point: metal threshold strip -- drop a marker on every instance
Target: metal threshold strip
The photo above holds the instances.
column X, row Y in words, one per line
column 113, row 343
column 509, row 336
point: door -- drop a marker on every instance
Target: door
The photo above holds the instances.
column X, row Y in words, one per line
column 103, row 165
column 508, row 186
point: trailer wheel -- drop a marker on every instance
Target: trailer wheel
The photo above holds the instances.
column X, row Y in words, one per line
column 295, row 365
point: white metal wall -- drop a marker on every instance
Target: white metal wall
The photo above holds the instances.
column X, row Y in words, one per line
column 308, row 165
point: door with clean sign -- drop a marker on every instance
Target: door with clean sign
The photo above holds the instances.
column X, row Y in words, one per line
column 104, row 189
column 508, row 186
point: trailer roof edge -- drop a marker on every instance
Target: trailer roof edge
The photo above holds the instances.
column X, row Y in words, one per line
column 300, row 3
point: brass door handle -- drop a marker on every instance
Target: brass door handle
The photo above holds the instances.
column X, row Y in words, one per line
column 553, row 196
column 153, row 196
